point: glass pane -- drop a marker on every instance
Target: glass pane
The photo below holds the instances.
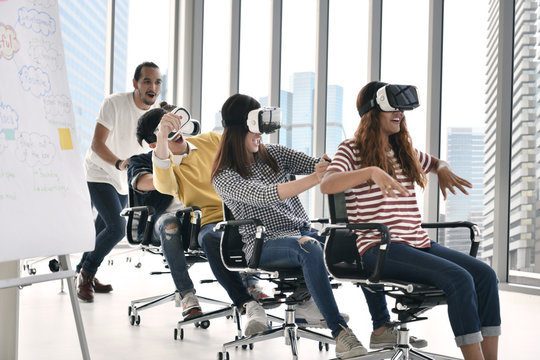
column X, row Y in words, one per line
column 463, row 118
column 524, row 222
column 347, row 68
column 216, row 54
column 147, row 39
column 255, row 49
column 298, row 77
column 120, row 70
column 404, row 54
column 83, row 35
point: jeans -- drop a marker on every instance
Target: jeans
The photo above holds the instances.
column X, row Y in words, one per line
column 470, row 285
column 231, row 281
column 110, row 226
column 290, row 252
column 167, row 228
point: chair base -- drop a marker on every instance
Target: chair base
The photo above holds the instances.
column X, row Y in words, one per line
column 402, row 350
column 288, row 330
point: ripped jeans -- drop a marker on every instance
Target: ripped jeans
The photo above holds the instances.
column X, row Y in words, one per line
column 291, row 252
column 167, row 228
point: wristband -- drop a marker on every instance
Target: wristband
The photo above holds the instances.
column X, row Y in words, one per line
column 117, row 164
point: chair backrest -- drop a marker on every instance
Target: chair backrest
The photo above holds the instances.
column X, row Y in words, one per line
column 231, row 244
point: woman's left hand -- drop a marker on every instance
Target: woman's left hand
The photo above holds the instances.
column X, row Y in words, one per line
column 321, row 166
column 449, row 180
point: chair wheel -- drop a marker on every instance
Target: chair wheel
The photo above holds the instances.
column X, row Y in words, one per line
column 205, row 324
column 250, row 346
column 176, row 333
column 129, row 310
column 221, row 357
column 325, row 346
column 134, row 320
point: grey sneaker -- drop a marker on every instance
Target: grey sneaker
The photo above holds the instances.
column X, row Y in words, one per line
column 308, row 315
column 348, row 346
column 256, row 319
column 389, row 339
column 190, row 306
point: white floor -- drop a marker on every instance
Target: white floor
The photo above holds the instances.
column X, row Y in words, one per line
column 47, row 328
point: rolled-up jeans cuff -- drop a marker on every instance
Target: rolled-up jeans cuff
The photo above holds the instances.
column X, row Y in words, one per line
column 468, row 339
column 491, row 331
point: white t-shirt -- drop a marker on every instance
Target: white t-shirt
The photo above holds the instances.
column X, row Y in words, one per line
column 119, row 115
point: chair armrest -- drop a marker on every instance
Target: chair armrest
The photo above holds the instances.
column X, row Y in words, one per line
column 195, row 217
column 474, row 232
column 383, row 247
column 130, row 213
column 259, row 236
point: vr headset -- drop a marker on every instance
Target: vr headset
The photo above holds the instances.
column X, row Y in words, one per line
column 264, row 120
column 393, row 98
column 188, row 127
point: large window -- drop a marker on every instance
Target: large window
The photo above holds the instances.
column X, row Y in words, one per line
column 524, row 221
column 147, row 39
column 347, row 68
column 216, row 59
column 463, row 117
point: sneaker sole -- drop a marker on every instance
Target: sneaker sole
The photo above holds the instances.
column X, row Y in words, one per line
column 352, row 353
column 191, row 313
column 304, row 324
column 254, row 327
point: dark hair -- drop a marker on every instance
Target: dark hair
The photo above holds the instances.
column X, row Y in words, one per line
column 232, row 152
column 147, row 124
column 139, row 67
column 371, row 151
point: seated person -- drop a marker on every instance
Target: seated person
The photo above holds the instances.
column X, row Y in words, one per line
column 166, row 229
column 251, row 179
column 377, row 170
column 181, row 168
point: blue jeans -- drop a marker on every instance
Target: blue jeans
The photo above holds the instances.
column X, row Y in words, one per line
column 110, row 226
column 469, row 284
column 231, row 281
column 290, row 252
column 167, row 229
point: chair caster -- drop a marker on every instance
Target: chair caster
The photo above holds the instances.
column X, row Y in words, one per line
column 223, row 357
column 129, row 310
column 177, row 333
column 135, row 320
column 325, row 345
column 244, row 347
column 205, row 324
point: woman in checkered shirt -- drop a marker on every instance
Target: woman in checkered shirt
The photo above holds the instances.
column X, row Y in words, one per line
column 251, row 178
column 377, row 170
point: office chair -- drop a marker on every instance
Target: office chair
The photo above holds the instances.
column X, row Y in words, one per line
column 287, row 280
column 411, row 299
column 194, row 254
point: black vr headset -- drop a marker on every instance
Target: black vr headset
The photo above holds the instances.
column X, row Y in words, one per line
column 264, row 120
column 188, row 127
column 393, row 98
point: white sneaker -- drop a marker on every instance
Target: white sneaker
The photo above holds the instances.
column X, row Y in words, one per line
column 308, row 315
column 256, row 319
column 348, row 346
column 190, row 306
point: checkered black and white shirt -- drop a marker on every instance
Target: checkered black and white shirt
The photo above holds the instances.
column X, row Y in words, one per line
column 257, row 197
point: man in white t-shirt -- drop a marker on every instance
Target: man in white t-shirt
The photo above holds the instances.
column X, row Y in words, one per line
column 114, row 142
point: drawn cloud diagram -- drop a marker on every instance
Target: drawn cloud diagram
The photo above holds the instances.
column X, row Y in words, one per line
column 9, row 44
column 34, row 80
column 34, row 149
column 45, row 55
column 38, row 21
column 43, row 3
column 57, row 105
column 9, row 119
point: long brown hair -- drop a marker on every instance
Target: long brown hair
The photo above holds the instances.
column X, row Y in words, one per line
column 369, row 143
column 232, row 152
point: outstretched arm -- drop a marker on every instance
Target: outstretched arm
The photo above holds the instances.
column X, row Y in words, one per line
column 336, row 181
column 448, row 180
column 293, row 188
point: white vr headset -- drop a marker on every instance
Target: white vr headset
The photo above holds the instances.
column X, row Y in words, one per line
column 393, row 98
column 264, row 120
column 188, row 126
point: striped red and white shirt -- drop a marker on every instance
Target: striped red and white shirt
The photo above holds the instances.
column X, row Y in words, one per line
column 365, row 203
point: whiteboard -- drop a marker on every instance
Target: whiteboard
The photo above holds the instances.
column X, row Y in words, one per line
column 44, row 202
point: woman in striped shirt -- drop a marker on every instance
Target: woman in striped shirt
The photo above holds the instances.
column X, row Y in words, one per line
column 377, row 170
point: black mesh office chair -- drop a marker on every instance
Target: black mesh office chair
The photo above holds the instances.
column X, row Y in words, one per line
column 411, row 299
column 286, row 280
column 194, row 254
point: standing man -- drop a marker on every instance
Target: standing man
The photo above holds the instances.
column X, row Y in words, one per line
column 114, row 142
